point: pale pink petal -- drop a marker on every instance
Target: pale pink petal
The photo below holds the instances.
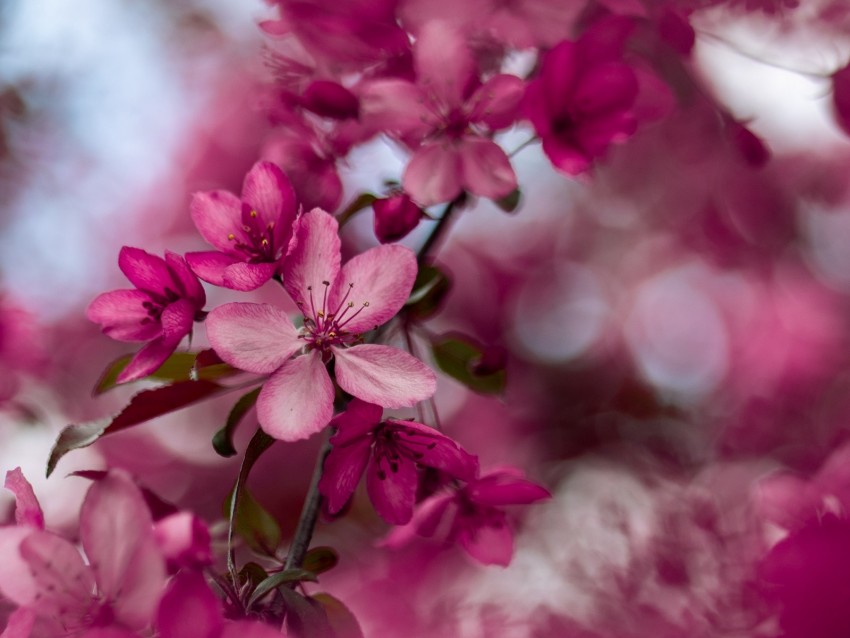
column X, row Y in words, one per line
column 427, row 446
column 189, row 609
column 383, row 375
column 145, row 271
column 188, row 281
column 396, row 106
column 372, row 287
column 357, row 421
column 607, row 87
column 217, row 216
column 444, row 63
column 64, row 583
column 183, row 540
column 121, row 315
column 20, row 624
column 108, row 632
column 314, row 260
column 245, row 277
column 268, row 191
column 27, row 509
column 505, row 488
column 210, row 265
column 248, row 629
column 116, row 532
column 490, row 543
column 433, row 174
column 392, row 489
column 487, row 171
column 258, row 338
column 16, row 580
column 148, row 360
column 297, row 400
column 342, row 471
column 496, row 102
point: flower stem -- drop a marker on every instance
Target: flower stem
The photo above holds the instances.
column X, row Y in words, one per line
column 440, row 228
column 309, row 513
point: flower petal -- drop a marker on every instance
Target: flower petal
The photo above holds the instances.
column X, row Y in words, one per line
column 427, row 518
column 210, row 265
column 258, row 338
column 269, row 192
column 20, row 623
column 383, row 375
column 297, row 400
column 357, row 421
column 392, row 489
column 444, row 63
column 16, row 582
column 376, row 283
column 245, row 277
column 558, row 75
column 487, row 171
column 148, row 360
column 496, row 102
column 145, row 271
column 190, row 287
column 427, row 446
column 395, row 106
column 217, row 216
column 342, row 471
column 313, row 259
column 565, row 156
column 490, row 541
column 189, row 609
column 27, row 508
column 505, row 488
column 608, row 87
column 122, row 316
column 63, row 581
column 433, row 174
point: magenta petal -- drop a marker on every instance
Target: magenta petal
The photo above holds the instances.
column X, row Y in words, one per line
column 248, row 629
column 487, row 171
column 358, row 420
column 121, row 315
column 383, row 375
column 496, row 102
column 841, row 97
column 607, row 87
column 444, row 63
column 145, row 271
column 177, row 319
column 313, row 260
column 434, row 449
column 210, row 265
column 116, row 533
column 433, row 174
column 392, row 493
column 27, row 509
column 245, row 277
column 184, row 540
column 395, row 106
column 596, row 135
column 268, row 191
column 20, row 624
column 64, row 582
column 187, row 280
column 378, row 283
column 506, row 488
column 566, row 157
column 297, row 400
column 557, row 76
column 148, row 360
column 342, row 471
column 490, row 542
column 189, row 609
column 217, row 216
column 257, row 338
column 108, row 632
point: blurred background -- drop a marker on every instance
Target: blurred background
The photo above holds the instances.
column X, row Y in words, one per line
column 675, row 325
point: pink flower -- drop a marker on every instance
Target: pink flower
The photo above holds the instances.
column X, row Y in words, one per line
column 581, row 102
column 395, row 216
column 167, row 299
column 58, row 594
column 450, row 116
column 251, row 234
column 471, row 516
column 389, row 451
column 338, row 304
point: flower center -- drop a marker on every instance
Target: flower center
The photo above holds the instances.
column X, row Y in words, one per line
column 392, row 441
column 157, row 304
column 259, row 244
column 325, row 327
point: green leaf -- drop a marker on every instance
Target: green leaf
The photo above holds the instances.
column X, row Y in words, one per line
column 343, row 623
column 144, row 406
column 467, row 363
column 276, row 580
column 320, row 559
column 363, row 200
column 252, row 573
column 223, row 439
column 180, row 366
column 510, row 202
column 305, row 617
column 429, row 290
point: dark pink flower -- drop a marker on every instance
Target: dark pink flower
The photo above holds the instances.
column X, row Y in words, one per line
column 45, row 575
column 470, row 516
column 581, row 102
column 841, row 97
column 167, row 299
column 338, row 304
column 395, row 216
column 251, row 234
column 449, row 116
column 389, row 452
column 184, row 540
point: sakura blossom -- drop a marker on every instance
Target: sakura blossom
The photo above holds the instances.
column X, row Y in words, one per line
column 339, row 304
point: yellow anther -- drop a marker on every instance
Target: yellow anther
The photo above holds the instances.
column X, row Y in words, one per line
column 253, row 213
column 265, row 243
column 231, row 236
